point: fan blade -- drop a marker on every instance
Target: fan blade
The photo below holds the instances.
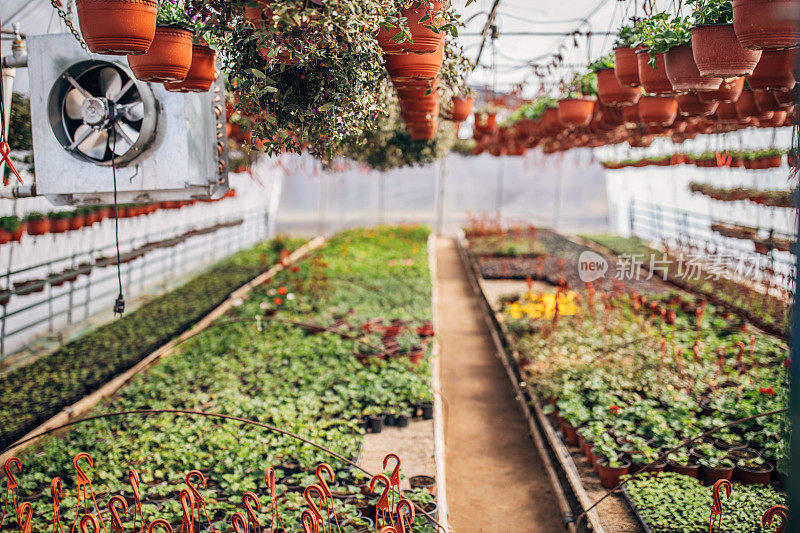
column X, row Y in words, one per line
column 134, row 112
column 110, row 82
column 126, row 136
column 95, row 144
column 72, row 103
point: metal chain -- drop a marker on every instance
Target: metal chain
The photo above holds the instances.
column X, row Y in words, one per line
column 57, row 5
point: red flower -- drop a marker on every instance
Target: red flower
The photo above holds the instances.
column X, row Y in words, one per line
column 278, row 301
column 282, row 290
column 787, row 363
column 295, row 269
column 768, row 390
column 614, row 409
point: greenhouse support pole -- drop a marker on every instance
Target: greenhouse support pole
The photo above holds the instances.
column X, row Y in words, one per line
column 794, row 380
column 440, row 196
column 498, row 201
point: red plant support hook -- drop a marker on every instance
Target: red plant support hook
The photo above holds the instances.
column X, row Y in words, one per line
column 199, row 500
column 313, row 505
column 158, row 522
column 12, row 487
column 135, row 481
column 250, row 500
column 388, row 529
column 269, row 479
column 383, row 502
column 187, row 511
column 780, row 511
column 716, row 504
column 5, row 157
column 239, row 523
column 394, row 478
column 309, row 522
column 84, row 484
column 329, row 506
column 55, row 490
column 739, row 356
column 116, row 521
column 24, row 516
column 90, row 519
column 405, row 514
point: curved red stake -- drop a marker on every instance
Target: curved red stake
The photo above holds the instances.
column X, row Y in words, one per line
column 55, row 490
column 313, row 505
column 85, row 491
column 388, row 529
column 239, row 523
column 116, row 521
column 87, row 520
column 5, row 157
column 199, row 500
column 12, row 487
column 135, row 481
column 405, row 514
column 187, row 511
column 24, row 516
column 383, row 502
column 269, row 479
column 739, row 356
column 309, row 522
column 779, row 511
column 158, row 522
column 716, row 504
column 394, row 478
column 250, row 500
column 329, row 507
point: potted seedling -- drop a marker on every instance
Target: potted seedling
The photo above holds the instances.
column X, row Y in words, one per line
column 610, row 464
column 59, row 221
column 755, row 470
column 716, row 49
column 375, row 417
column 423, row 482
column 36, row 223
column 8, row 225
column 715, row 465
column 170, row 54
column 681, row 462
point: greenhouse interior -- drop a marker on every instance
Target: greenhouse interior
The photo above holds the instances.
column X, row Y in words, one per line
column 395, row 266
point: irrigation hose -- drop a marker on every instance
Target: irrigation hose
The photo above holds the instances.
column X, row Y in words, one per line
column 274, row 429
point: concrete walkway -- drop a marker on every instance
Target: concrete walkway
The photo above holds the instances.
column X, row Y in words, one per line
column 495, row 480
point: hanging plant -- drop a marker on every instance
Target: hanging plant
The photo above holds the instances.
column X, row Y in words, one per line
column 117, row 27
column 609, row 90
column 715, row 46
column 577, row 102
column 170, row 54
column 416, row 27
column 766, row 24
column 626, row 66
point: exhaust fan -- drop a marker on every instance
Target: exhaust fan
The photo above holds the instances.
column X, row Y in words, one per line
column 87, row 109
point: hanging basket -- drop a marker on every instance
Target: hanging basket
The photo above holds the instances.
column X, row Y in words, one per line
column 728, row 92
column 654, row 79
column 423, row 39
column 746, row 106
column 765, row 101
column 683, row 73
column 658, row 110
column 416, row 89
column 575, row 112
column 423, row 131
column 428, row 104
column 462, row 108
column 718, row 53
column 626, row 66
column 766, row 24
column 690, row 105
column 411, row 67
column 774, row 71
column 613, row 94
column 37, row 227
column 117, row 27
column 168, row 58
column 201, row 72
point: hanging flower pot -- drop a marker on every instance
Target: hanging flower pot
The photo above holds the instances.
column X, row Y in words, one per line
column 718, row 53
column 658, row 110
column 201, row 72
column 765, row 24
column 59, row 222
column 428, row 104
column 774, row 71
column 727, row 113
column 168, row 58
column 683, row 73
column 728, row 92
column 36, row 224
column 76, row 222
column 746, row 106
column 786, row 99
column 575, row 112
column 410, row 67
column 631, row 115
column 765, row 101
column 690, row 105
column 417, row 88
column 626, row 66
column 462, row 108
column 612, row 93
column 423, row 131
column 551, row 123
column 423, row 39
column 654, row 79
column 117, row 27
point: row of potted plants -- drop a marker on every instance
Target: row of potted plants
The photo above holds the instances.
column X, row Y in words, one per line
column 272, row 372
column 751, row 160
column 35, row 223
column 773, row 198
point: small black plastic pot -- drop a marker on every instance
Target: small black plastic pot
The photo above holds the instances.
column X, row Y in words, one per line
column 427, row 411
column 403, row 420
column 390, row 420
column 375, row 423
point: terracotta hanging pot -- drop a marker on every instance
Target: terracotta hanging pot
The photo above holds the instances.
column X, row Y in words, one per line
column 776, row 121
column 416, row 89
column 551, row 122
column 575, row 112
column 168, row 58
column 59, row 225
column 683, row 73
column 423, row 39
column 654, row 79
column 766, row 24
column 611, row 93
column 410, row 67
column 462, row 108
column 774, row 71
column 37, row 227
column 658, row 110
column 786, row 98
column 626, row 66
column 423, row 132
column 765, row 101
column 201, row 73
column 718, row 53
column 631, row 115
column 690, row 105
column 76, row 222
column 746, row 106
column 727, row 113
column 428, row 104
column 117, row 27
column 728, row 92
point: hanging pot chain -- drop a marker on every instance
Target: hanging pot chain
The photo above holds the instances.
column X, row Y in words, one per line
column 57, row 5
